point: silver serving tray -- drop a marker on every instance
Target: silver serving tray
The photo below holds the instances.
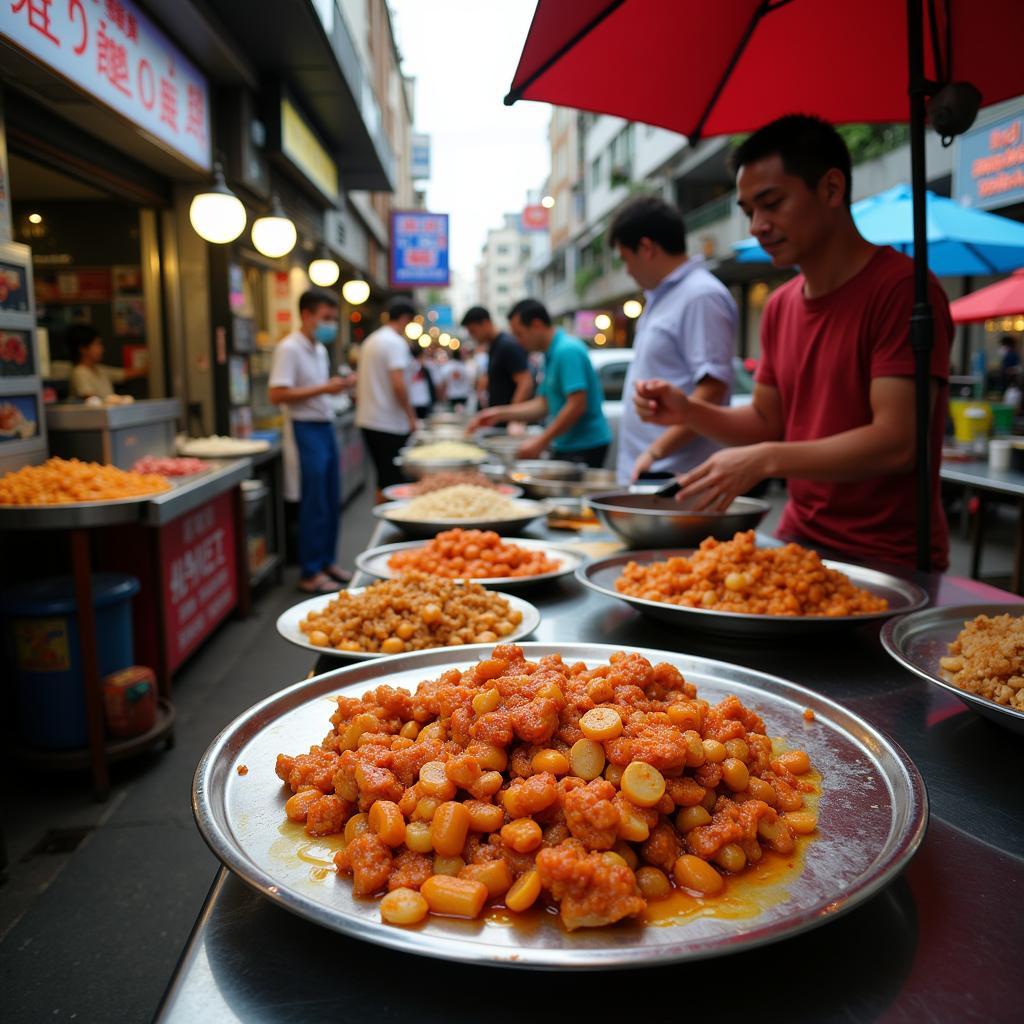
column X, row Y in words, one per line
column 374, row 562
column 427, row 528
column 872, row 816
column 918, row 641
column 404, row 492
column 288, row 625
column 903, row 596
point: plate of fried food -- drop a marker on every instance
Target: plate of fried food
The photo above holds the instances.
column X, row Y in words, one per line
column 976, row 652
column 737, row 588
column 559, row 805
column 412, row 613
column 478, row 555
column 465, row 505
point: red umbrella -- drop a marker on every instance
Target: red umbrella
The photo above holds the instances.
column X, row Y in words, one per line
column 1004, row 298
column 703, row 68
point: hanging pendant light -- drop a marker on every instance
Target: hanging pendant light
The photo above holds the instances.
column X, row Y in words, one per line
column 274, row 235
column 356, row 292
column 324, row 270
column 217, row 215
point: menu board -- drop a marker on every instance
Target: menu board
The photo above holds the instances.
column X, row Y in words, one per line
column 14, row 295
column 19, row 417
column 16, row 359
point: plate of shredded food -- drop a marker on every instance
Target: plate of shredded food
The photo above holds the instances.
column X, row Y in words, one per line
column 463, row 505
column 737, row 588
column 412, row 613
column 478, row 555
column 976, row 652
column 437, row 481
column 559, row 805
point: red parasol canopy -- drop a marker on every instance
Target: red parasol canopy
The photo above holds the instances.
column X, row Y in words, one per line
column 664, row 61
column 1004, row 298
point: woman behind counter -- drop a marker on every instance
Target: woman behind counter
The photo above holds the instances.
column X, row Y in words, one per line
column 90, row 377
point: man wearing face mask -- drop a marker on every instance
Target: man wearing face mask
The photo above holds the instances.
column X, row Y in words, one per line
column 301, row 381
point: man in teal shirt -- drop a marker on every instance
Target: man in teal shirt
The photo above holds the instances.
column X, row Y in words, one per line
column 568, row 398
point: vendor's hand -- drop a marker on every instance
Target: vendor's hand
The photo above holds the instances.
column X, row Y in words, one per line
column 414, row 424
column 350, row 380
column 532, row 448
column 728, row 473
column 642, row 465
column 657, row 401
column 334, row 386
column 484, row 418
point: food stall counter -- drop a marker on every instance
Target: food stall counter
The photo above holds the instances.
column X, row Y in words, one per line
column 117, row 435
column 940, row 942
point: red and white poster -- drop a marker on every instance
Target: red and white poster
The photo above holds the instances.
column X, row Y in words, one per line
column 199, row 578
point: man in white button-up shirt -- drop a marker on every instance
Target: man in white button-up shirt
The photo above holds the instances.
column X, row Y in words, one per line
column 686, row 335
column 301, row 381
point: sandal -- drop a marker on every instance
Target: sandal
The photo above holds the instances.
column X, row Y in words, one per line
column 341, row 575
column 319, row 584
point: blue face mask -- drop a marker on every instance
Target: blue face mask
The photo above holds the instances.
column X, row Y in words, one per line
column 326, row 331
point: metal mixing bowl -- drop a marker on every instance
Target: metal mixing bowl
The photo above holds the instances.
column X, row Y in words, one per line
column 417, row 469
column 591, row 482
column 649, row 521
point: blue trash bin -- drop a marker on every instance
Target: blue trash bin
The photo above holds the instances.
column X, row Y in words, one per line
column 41, row 627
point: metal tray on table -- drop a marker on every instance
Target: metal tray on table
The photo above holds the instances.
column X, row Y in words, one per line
column 872, row 815
column 918, row 641
column 903, row 597
column 374, row 562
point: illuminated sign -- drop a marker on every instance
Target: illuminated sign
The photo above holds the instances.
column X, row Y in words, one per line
column 989, row 168
column 115, row 53
column 419, row 249
column 303, row 148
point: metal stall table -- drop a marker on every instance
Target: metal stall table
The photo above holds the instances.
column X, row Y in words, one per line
column 939, row 943
column 977, row 477
column 161, row 539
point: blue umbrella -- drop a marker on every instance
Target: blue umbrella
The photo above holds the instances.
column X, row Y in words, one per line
column 961, row 241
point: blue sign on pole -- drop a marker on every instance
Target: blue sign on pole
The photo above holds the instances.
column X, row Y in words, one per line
column 440, row 316
column 419, row 249
column 989, row 168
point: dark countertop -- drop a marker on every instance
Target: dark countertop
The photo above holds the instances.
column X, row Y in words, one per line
column 941, row 943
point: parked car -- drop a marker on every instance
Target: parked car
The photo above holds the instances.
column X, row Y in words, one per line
column 612, row 365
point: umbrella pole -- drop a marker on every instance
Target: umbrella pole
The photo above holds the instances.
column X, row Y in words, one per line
column 921, row 322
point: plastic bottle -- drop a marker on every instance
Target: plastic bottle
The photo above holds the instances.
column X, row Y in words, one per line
column 979, row 370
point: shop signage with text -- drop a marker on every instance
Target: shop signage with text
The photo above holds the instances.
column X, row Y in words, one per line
column 419, row 249
column 199, row 576
column 989, row 169
column 300, row 144
column 112, row 51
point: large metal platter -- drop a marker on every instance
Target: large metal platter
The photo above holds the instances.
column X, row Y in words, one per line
column 288, row 625
column 427, row 528
column 903, row 596
column 374, row 562
column 403, row 492
column 872, row 815
column 918, row 641
column 73, row 515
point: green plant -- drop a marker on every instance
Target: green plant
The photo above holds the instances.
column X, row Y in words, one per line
column 867, row 141
column 585, row 277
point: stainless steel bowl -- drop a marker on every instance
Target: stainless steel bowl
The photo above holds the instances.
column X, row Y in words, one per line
column 592, row 482
column 547, row 469
column 417, row 469
column 505, row 446
column 649, row 521
column 439, row 419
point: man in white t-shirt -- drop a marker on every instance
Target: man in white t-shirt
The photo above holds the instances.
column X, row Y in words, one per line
column 384, row 412
column 458, row 381
column 301, row 381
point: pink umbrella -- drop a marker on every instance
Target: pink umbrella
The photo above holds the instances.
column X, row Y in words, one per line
column 1004, row 298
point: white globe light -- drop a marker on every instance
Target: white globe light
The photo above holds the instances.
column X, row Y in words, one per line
column 547, row 202
column 324, row 272
column 217, row 215
column 632, row 308
column 413, row 330
column 602, row 321
column 355, row 293
column 274, row 236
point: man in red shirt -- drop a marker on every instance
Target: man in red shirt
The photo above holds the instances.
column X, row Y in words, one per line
column 832, row 410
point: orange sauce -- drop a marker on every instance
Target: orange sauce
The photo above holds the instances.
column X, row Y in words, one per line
column 318, row 852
